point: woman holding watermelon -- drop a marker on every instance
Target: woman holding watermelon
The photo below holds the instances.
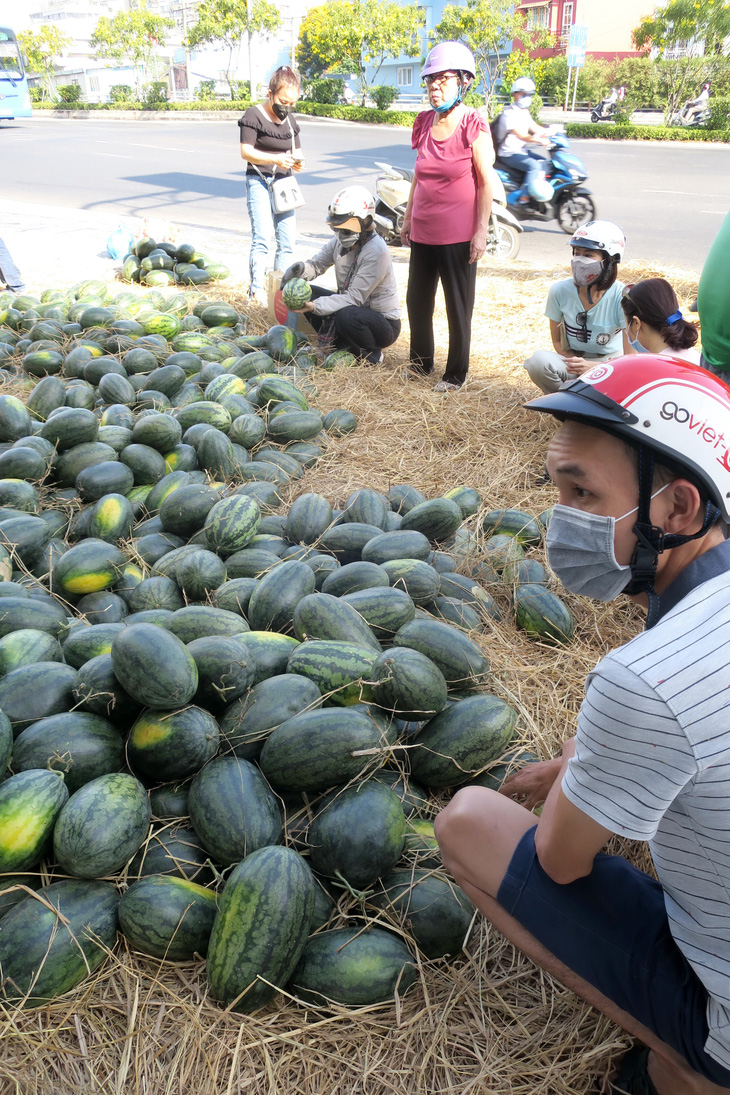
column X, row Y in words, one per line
column 447, row 216
column 271, row 145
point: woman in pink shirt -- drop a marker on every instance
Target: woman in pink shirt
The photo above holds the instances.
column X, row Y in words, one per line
column 447, row 216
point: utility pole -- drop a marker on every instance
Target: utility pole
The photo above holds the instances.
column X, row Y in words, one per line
column 251, row 76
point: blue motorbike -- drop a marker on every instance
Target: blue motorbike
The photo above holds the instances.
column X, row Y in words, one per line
column 558, row 194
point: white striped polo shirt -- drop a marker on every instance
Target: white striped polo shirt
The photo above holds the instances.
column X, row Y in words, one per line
column 652, row 763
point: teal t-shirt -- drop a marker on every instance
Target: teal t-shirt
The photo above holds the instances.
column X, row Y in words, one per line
column 604, row 322
column 713, row 300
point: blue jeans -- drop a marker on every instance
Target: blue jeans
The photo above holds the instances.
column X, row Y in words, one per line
column 264, row 223
column 9, row 272
column 531, row 164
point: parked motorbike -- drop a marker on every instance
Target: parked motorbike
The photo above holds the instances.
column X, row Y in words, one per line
column 559, row 194
column 392, row 187
column 606, row 109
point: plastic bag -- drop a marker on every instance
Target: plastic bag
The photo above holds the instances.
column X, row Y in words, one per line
column 120, row 242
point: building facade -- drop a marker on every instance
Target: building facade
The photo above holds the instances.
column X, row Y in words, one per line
column 610, row 25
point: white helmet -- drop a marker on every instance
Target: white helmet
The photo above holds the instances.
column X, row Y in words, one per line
column 353, row 202
column 600, row 236
column 523, row 83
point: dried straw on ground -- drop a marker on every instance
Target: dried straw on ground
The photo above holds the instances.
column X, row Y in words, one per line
column 489, row 1022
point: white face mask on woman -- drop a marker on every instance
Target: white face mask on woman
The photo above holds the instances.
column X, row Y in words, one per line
column 585, row 270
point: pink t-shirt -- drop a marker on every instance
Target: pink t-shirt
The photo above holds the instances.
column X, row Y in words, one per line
column 445, row 198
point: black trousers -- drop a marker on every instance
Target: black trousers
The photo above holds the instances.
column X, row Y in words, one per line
column 449, row 263
column 360, row 330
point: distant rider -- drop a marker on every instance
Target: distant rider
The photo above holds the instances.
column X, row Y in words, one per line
column 363, row 315
column 693, row 107
column 515, row 131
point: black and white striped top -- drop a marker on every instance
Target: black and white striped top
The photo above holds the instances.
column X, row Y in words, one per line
column 652, row 763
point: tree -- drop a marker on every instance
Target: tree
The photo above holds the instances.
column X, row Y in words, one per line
column 134, row 35
column 224, row 23
column 42, row 48
column 689, row 37
column 354, row 35
column 488, row 27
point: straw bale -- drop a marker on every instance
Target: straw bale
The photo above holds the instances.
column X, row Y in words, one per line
column 487, row 1022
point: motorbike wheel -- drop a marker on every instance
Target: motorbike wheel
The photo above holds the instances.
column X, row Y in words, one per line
column 594, row 116
column 575, row 210
column 504, row 244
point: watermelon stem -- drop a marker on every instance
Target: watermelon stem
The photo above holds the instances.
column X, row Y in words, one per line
column 343, row 884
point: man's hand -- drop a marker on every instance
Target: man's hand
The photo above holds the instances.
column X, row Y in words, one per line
column 531, row 785
column 405, row 232
column 308, row 307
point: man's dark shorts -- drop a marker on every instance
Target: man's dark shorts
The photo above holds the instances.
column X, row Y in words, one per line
column 611, row 929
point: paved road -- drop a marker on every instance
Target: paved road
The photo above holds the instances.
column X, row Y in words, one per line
column 97, row 170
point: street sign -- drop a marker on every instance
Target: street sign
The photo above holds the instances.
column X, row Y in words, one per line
column 577, row 43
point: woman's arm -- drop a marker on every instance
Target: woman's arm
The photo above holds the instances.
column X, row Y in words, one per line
column 405, row 232
column 482, row 157
column 555, row 336
column 285, row 160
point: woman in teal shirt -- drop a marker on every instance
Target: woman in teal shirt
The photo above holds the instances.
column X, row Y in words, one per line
column 587, row 323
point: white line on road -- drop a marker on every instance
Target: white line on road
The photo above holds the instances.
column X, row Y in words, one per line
column 113, row 155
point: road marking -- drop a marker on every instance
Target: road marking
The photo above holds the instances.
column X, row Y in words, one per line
column 157, row 147
column 714, row 212
column 113, row 155
column 682, row 193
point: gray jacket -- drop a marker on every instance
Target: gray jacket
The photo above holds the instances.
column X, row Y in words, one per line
column 372, row 284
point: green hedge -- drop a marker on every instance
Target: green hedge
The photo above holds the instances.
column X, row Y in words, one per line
column 358, row 113
column 223, row 104
column 644, row 132
column 323, row 110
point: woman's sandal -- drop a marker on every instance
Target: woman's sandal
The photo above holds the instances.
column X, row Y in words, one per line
column 632, row 1077
column 447, row 386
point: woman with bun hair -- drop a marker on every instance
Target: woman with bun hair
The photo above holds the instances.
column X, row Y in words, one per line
column 654, row 322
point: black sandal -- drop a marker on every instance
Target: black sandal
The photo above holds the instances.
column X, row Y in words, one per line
column 632, row 1077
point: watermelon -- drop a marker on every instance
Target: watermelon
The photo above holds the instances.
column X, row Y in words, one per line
column 339, row 421
column 513, row 522
column 461, row 661
column 427, row 906
column 462, row 740
column 48, row 946
column 339, row 669
column 354, row 968
column 296, row 293
column 80, row 745
column 317, row 749
column 408, row 684
column 168, row 918
column 277, row 594
column 261, row 928
column 231, row 523
column 176, row 851
column 155, row 666
column 321, row 616
column 176, row 743
column 358, row 834
column 30, row 803
column 246, row 723
column 339, row 357
column 542, row 614
column 101, row 826
column 233, row 810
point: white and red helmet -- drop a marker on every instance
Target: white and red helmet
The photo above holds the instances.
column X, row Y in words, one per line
column 600, row 236
column 677, row 410
column 351, row 203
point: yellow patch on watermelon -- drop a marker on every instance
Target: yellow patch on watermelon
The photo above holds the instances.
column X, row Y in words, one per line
column 149, row 731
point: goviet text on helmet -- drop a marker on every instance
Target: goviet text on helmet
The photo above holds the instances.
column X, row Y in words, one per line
column 600, row 236
column 677, row 410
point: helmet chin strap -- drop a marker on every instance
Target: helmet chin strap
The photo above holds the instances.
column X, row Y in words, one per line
column 652, row 541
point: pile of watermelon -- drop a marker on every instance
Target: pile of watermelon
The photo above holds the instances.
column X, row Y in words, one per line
column 222, row 720
column 164, row 263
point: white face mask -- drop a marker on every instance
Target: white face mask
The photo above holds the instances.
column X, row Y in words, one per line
column 524, row 102
column 585, row 270
column 580, row 548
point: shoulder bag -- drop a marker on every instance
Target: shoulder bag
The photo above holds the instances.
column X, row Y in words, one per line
column 285, row 193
